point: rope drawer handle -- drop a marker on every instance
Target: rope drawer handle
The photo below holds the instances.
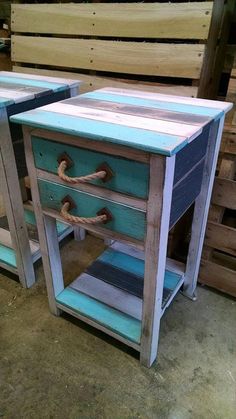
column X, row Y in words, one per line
column 103, row 216
column 103, row 172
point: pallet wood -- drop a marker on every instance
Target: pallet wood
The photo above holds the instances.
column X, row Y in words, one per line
column 220, row 233
column 91, row 83
column 155, row 20
column 183, row 38
column 154, row 59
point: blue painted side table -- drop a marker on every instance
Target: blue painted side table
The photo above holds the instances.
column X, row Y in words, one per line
column 19, row 247
column 127, row 165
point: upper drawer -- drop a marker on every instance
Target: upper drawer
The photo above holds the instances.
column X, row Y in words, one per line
column 129, row 177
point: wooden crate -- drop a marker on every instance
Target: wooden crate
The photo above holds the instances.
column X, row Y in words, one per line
column 112, row 44
column 218, row 266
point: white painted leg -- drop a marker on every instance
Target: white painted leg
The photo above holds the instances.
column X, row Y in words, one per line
column 14, row 206
column 47, row 235
column 158, row 217
column 201, row 209
column 79, row 233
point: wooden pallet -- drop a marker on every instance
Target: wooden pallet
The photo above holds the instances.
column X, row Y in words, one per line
column 107, row 44
column 218, row 266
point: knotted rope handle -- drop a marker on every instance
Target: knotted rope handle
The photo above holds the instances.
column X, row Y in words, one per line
column 103, row 218
column 82, row 179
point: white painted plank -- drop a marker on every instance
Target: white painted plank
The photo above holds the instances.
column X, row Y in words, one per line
column 67, row 82
column 108, row 294
column 156, row 125
column 5, row 239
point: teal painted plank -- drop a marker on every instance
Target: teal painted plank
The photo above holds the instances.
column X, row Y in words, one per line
column 102, row 131
column 86, row 162
column 55, row 87
column 30, row 219
column 135, row 266
column 5, row 102
column 7, row 255
column 114, row 320
column 125, row 220
column 123, row 261
column 156, row 104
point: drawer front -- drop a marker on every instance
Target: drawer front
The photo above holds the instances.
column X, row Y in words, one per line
column 125, row 220
column 129, row 177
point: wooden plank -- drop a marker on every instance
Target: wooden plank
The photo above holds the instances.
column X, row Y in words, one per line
column 43, row 79
column 172, row 60
column 186, row 131
column 47, row 235
column 201, row 209
column 218, row 276
column 158, row 20
column 214, row 104
column 136, row 107
column 224, row 193
column 158, row 217
column 5, row 239
column 91, row 83
column 89, row 144
column 221, row 237
column 120, row 323
column 14, row 205
column 102, row 132
column 109, row 294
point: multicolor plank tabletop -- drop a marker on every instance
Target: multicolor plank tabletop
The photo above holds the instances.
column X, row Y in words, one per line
column 16, row 87
column 155, row 123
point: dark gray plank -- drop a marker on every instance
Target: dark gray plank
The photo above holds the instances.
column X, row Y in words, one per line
column 185, row 193
column 190, row 155
column 142, row 111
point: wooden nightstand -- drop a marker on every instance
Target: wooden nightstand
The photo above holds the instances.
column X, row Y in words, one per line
column 127, row 165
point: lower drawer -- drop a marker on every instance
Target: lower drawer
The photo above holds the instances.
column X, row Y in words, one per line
column 125, row 220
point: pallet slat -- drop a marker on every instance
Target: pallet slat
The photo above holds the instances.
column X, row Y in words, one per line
column 224, row 193
column 218, row 276
column 90, row 83
column 171, row 60
column 157, row 20
column 221, row 237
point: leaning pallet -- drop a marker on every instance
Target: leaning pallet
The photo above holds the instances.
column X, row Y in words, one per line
column 112, row 44
column 218, row 266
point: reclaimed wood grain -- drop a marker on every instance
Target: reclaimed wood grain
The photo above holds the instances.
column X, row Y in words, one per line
column 157, row 59
column 158, row 20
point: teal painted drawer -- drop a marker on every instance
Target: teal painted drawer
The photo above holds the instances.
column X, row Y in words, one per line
column 125, row 220
column 129, row 177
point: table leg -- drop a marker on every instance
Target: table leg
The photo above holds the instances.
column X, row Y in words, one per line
column 201, row 209
column 48, row 238
column 158, row 217
column 14, row 205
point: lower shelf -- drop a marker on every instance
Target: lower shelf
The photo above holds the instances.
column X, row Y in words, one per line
column 8, row 254
column 110, row 293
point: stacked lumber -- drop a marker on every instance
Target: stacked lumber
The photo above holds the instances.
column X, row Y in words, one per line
column 162, row 47
column 218, row 266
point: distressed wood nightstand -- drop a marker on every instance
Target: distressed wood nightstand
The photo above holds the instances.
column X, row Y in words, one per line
column 19, row 247
column 127, row 165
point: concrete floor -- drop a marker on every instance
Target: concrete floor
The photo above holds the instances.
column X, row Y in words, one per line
column 60, row 368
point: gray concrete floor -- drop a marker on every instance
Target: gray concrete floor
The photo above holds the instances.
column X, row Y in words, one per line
column 59, row 368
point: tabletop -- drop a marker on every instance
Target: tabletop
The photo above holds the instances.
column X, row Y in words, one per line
column 16, row 87
column 152, row 122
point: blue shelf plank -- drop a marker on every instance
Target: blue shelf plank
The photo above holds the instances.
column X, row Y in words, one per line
column 7, row 256
column 120, row 323
column 123, row 272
